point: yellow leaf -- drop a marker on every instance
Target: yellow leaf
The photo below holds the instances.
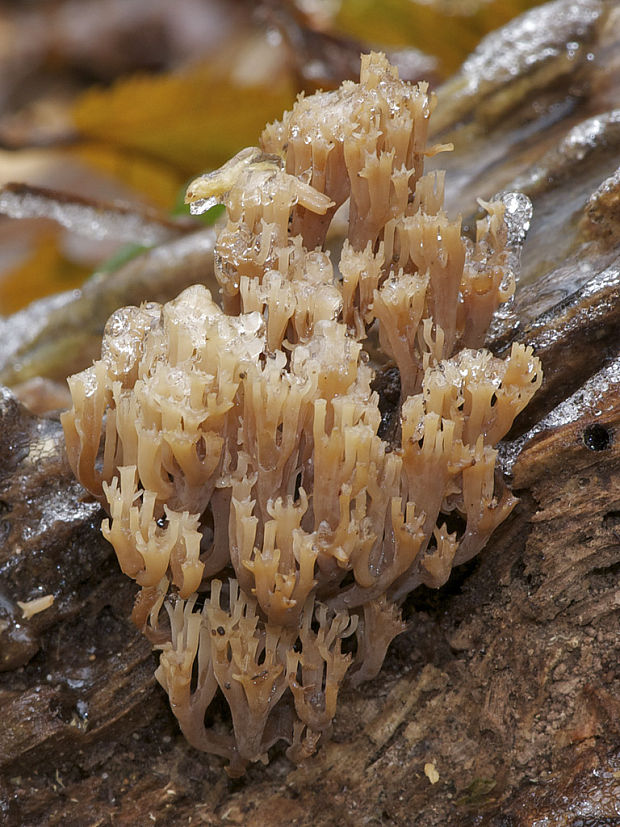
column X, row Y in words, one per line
column 192, row 120
column 153, row 181
column 448, row 29
column 43, row 272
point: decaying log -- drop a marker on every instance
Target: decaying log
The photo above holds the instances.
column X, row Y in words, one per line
column 500, row 705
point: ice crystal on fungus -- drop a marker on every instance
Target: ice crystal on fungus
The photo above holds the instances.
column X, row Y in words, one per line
column 236, row 448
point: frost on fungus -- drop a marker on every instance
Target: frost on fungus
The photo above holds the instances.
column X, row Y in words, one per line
column 237, row 448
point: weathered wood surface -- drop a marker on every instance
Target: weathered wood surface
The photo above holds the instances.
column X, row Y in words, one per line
column 507, row 679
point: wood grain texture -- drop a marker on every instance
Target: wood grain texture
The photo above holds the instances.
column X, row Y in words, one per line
column 507, row 679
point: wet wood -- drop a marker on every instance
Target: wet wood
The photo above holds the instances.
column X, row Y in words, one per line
column 507, row 679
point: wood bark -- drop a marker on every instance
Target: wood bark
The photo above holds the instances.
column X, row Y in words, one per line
column 500, row 705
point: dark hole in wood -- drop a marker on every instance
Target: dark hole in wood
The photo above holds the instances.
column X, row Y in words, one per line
column 596, row 437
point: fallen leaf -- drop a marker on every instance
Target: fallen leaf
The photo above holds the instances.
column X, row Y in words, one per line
column 44, row 270
column 448, row 29
column 193, row 120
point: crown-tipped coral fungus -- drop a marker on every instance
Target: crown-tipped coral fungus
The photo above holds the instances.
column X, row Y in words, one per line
column 239, row 450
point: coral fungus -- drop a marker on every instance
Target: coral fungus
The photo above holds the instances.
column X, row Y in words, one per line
column 253, row 490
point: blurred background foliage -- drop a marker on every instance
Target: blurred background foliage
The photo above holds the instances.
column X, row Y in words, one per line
column 128, row 100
